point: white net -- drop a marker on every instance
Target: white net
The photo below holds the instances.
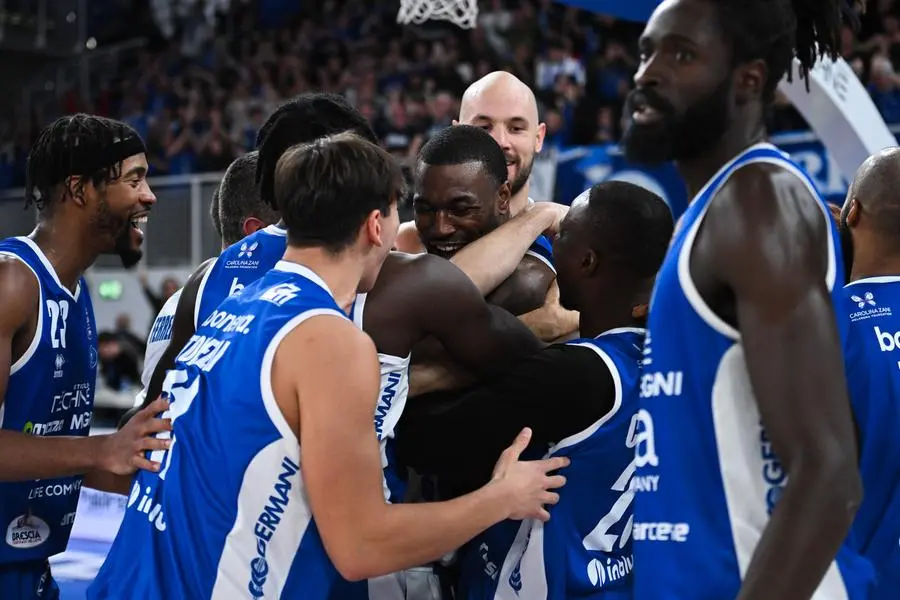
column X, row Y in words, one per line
column 463, row 13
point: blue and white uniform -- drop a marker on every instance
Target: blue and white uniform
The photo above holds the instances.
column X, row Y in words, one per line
column 50, row 393
column 227, row 516
column 872, row 356
column 584, row 551
column 707, row 475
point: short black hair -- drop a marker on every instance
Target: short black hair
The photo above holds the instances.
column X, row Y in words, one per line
column 777, row 30
column 214, row 213
column 629, row 226
column 326, row 189
column 59, row 148
column 302, row 120
column 460, row 144
column 239, row 198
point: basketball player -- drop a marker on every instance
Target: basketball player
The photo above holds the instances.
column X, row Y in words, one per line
column 86, row 175
column 300, row 120
column 869, row 226
column 506, row 108
column 461, row 194
column 581, row 398
column 236, row 211
column 746, row 458
column 260, row 523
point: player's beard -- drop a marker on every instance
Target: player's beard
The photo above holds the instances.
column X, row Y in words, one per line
column 522, row 176
column 674, row 136
column 128, row 250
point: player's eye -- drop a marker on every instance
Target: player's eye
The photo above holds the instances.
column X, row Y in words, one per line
column 683, row 56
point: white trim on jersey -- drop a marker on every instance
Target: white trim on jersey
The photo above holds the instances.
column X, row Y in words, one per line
column 876, row 279
column 359, row 306
column 529, row 545
column 234, row 568
column 38, row 330
column 541, row 258
column 703, row 310
column 199, row 297
column 736, row 424
column 49, row 266
column 617, row 382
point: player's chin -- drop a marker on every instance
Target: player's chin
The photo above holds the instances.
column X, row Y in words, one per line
column 649, row 144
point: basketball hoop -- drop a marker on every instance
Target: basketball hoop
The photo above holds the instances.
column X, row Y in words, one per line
column 463, row 13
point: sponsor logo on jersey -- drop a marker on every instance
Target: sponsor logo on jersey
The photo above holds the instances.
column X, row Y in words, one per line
column 887, row 341
column 244, row 258
column 267, row 524
column 43, row 428
column 27, row 531
column 868, row 307
column 58, row 363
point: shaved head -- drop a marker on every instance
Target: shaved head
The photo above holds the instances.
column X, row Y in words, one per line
column 870, row 217
column 506, row 108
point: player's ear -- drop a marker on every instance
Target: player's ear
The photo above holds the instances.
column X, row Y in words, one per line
column 251, row 225
column 454, row 122
column 589, row 262
column 74, row 191
column 539, row 140
column 750, row 79
column 854, row 212
column 640, row 311
column 504, row 194
column 374, row 228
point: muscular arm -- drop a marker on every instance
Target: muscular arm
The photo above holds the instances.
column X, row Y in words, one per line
column 448, row 306
column 526, row 288
column 363, row 535
column 558, row 392
column 182, row 330
column 490, row 261
column 766, row 241
column 551, row 322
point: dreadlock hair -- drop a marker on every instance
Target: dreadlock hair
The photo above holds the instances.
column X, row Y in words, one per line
column 778, row 30
column 303, row 120
column 53, row 156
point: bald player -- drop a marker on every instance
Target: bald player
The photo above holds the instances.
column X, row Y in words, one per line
column 506, row 108
column 869, row 226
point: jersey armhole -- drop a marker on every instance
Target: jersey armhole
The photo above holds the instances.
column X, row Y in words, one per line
column 692, row 294
column 200, row 289
column 39, row 327
column 617, row 404
column 265, row 376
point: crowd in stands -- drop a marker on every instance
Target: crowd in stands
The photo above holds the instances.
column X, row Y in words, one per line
column 199, row 96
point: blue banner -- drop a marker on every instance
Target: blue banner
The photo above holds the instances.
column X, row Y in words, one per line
column 578, row 168
column 630, row 10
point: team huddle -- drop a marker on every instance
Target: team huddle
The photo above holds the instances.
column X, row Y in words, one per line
column 584, row 401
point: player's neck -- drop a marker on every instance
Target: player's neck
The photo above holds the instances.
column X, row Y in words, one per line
column 697, row 171
column 604, row 311
column 341, row 273
column 519, row 202
column 69, row 251
column 874, row 262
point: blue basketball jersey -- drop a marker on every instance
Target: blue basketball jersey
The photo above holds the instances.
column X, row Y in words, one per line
column 707, row 476
column 227, row 515
column 872, row 356
column 50, row 393
column 542, row 249
column 238, row 266
column 584, row 551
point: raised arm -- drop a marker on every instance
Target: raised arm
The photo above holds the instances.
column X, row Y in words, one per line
column 768, row 243
column 24, row 457
column 481, row 337
column 489, row 261
column 365, row 536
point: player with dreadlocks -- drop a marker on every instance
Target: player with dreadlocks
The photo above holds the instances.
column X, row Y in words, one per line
column 746, row 479
column 86, row 175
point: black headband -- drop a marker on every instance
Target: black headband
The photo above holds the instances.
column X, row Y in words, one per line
column 88, row 163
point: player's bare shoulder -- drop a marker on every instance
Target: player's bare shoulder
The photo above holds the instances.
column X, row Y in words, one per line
column 19, row 290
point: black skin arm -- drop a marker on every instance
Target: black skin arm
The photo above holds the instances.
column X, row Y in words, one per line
column 763, row 250
column 435, row 298
column 557, row 392
column 524, row 290
column 182, row 330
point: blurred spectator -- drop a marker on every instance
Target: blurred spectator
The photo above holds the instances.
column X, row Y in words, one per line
column 214, row 69
column 119, row 362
